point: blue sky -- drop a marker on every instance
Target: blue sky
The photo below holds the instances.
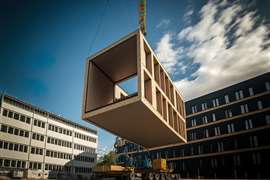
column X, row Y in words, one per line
column 44, row 45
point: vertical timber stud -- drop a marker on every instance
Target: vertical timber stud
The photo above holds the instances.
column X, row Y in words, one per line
column 141, row 60
column 142, row 16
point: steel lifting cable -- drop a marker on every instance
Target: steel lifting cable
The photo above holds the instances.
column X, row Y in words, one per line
column 99, row 26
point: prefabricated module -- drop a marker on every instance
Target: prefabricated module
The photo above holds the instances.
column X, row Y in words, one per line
column 152, row 116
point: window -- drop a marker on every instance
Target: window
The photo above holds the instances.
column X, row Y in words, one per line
column 16, row 132
column 215, row 102
column 16, row 147
column 259, row 103
column 228, row 113
column 267, row 86
column 10, row 114
column 39, row 123
column 227, row 100
column 251, row 92
column 16, row 116
column 217, row 131
column 35, row 122
column 248, row 124
column 206, row 133
column 253, row 140
column 193, row 136
column 10, row 130
column 10, row 147
column 236, row 160
column 26, row 134
column 194, row 109
column 256, row 158
column 214, row 163
column 4, row 128
column 5, row 145
column 267, row 119
column 7, row 163
column 244, row 108
column 230, row 128
column 220, row 146
column 204, row 118
column 239, row 95
column 235, row 144
column 28, row 120
column 21, row 133
column 204, row 106
column 22, row 118
column 5, row 112
column 213, row 117
column 193, row 122
column 25, row 149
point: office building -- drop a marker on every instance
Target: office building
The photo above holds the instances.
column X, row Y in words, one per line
column 227, row 134
column 42, row 144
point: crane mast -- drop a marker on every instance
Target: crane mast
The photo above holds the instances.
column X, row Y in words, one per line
column 142, row 16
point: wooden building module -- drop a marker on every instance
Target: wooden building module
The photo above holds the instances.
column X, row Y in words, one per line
column 153, row 115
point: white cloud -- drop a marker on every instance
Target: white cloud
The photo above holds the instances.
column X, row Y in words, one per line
column 221, row 63
column 164, row 23
column 168, row 55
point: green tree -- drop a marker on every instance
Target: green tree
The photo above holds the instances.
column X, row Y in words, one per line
column 108, row 159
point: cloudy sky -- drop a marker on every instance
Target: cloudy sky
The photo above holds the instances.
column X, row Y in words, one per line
column 204, row 45
column 229, row 43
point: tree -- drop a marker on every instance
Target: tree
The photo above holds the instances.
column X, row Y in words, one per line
column 108, row 159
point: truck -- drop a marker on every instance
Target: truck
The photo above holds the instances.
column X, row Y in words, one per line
column 129, row 169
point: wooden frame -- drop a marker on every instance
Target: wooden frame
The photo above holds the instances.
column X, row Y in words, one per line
column 154, row 116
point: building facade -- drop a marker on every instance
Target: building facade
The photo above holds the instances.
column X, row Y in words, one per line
column 44, row 144
column 227, row 131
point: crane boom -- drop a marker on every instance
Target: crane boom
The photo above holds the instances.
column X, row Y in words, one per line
column 142, row 16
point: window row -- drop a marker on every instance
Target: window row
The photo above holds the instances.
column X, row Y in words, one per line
column 16, row 116
column 35, row 165
column 84, row 158
column 38, row 137
column 227, row 129
column 54, row 167
column 36, row 150
column 60, row 130
column 14, row 131
column 13, row 146
column 84, row 137
column 10, row 163
column 238, row 95
column 59, row 155
column 59, row 142
column 206, row 148
column 84, row 148
column 22, row 105
column 244, row 108
column 39, row 123
column 83, row 170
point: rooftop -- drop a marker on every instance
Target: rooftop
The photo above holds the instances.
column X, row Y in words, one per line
column 27, row 106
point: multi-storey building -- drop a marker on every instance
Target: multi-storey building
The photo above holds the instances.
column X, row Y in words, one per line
column 39, row 141
column 228, row 134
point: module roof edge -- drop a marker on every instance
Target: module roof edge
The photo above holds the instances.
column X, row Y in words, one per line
column 122, row 39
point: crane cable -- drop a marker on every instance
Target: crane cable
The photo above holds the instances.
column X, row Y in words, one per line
column 99, row 26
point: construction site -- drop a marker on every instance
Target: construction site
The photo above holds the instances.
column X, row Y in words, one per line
column 159, row 136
